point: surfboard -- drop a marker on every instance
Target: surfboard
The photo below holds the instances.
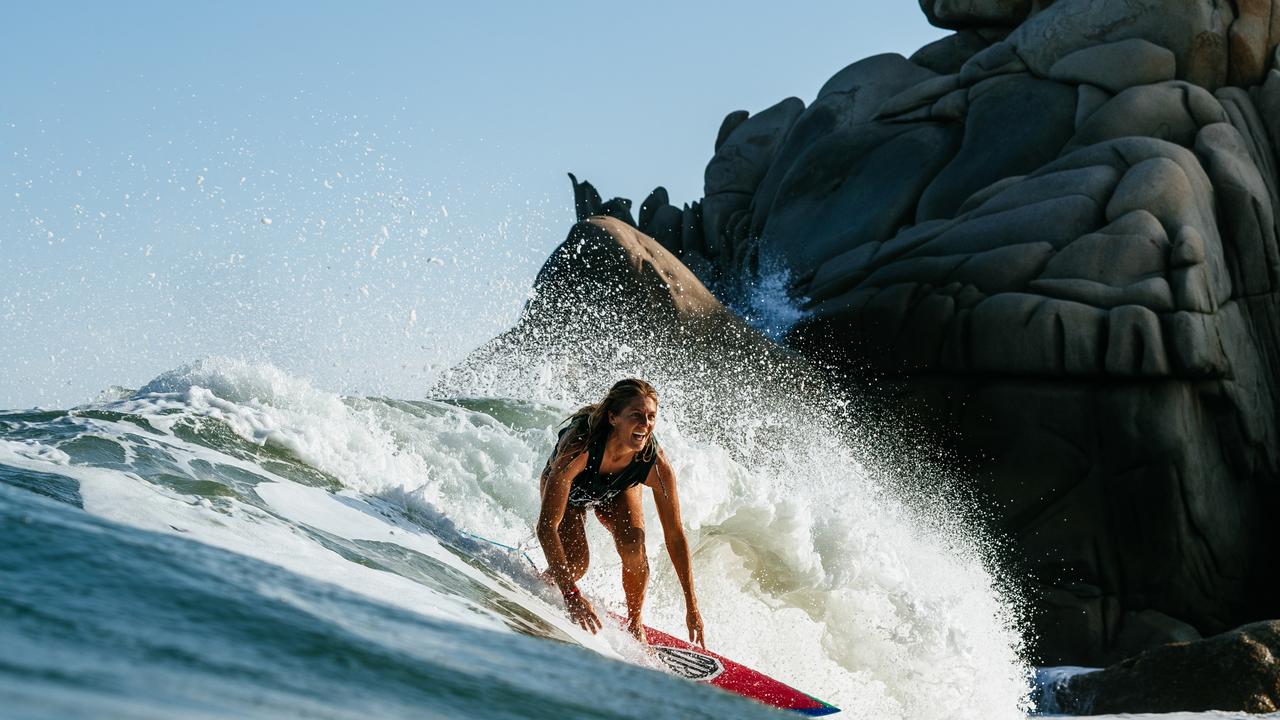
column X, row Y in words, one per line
column 694, row 663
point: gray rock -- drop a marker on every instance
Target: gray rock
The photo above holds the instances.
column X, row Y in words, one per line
column 1189, row 275
column 1095, row 183
column 1057, row 221
column 954, row 106
column 728, row 125
column 1004, row 269
column 957, row 14
column 1251, row 40
column 618, row 208
column 691, row 240
column 1243, row 116
column 920, row 95
column 587, row 203
column 1142, row 629
column 583, row 313
column 1233, row 672
column 839, row 274
column 1269, row 106
column 738, row 166
column 1153, row 293
column 1026, row 334
column 930, row 270
column 875, row 79
column 744, row 156
column 1135, row 342
column 656, row 199
column 1110, row 258
column 606, row 261
column 1158, row 186
column 849, row 99
column 998, row 59
column 717, row 210
column 1194, row 346
column 1111, row 303
column 1116, row 66
column 660, row 220
column 1248, row 218
column 1194, row 30
column 945, row 56
column 829, row 203
column 1173, row 111
column 997, row 144
column 1088, row 100
column 586, row 199
column 982, row 196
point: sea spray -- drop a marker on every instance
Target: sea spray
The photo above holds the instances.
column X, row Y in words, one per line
column 828, row 551
column 807, row 567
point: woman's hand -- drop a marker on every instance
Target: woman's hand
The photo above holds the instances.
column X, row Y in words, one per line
column 581, row 612
column 693, row 619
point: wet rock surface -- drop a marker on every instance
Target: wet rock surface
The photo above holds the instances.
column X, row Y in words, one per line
column 610, row 289
column 1235, row 671
column 1055, row 232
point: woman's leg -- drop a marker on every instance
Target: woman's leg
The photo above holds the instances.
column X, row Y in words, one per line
column 573, row 538
column 623, row 517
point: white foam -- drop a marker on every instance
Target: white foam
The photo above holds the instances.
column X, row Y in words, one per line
column 805, row 567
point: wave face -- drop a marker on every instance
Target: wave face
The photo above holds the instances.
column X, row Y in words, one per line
column 252, row 545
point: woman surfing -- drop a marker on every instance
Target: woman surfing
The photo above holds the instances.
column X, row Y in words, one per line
column 603, row 456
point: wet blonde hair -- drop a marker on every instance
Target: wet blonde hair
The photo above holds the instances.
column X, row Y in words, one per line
column 591, row 422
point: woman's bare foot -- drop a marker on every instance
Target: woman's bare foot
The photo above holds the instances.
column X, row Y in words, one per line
column 636, row 627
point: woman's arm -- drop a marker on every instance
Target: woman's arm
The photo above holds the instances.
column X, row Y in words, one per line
column 662, row 479
column 555, row 498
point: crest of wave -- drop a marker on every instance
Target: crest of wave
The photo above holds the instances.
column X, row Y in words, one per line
column 821, row 553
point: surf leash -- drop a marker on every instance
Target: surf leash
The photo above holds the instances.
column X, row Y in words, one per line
column 504, row 546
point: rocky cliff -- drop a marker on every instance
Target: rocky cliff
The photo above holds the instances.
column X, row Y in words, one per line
column 1054, row 230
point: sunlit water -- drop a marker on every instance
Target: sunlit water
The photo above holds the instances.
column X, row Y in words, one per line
column 249, row 543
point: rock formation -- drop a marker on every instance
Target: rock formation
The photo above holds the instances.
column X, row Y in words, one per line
column 1236, row 671
column 609, row 289
column 1056, row 231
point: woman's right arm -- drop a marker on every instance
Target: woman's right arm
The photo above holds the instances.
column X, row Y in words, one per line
column 555, row 498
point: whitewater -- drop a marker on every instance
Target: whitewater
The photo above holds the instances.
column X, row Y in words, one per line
column 229, row 507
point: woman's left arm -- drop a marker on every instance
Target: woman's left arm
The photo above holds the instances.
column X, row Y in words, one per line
column 662, row 480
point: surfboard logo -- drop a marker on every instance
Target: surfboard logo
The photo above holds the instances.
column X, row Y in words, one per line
column 689, row 663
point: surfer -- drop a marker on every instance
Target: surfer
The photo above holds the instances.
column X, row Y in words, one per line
column 604, row 454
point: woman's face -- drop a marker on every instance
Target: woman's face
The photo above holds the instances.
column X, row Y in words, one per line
column 634, row 423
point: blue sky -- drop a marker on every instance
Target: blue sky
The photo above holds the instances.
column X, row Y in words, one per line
column 355, row 193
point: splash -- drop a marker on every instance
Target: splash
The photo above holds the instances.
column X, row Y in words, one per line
column 809, row 564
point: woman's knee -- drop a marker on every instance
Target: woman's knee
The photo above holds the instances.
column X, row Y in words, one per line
column 630, row 540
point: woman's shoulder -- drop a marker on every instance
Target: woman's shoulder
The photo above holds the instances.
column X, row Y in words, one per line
column 660, row 456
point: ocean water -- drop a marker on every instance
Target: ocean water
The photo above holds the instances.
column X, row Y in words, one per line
column 232, row 541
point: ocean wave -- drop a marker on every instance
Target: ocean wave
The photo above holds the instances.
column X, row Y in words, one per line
column 808, row 566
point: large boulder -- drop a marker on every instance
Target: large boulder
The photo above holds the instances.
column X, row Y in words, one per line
column 850, row 99
column 741, row 160
column 946, row 56
column 611, row 297
column 1117, row 66
column 1236, row 671
column 958, row 14
column 1195, row 31
column 853, row 186
column 999, row 142
column 1078, row 325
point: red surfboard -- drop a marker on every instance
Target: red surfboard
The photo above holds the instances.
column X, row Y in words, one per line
column 692, row 662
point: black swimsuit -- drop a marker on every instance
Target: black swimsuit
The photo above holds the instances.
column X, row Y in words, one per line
column 591, row 486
